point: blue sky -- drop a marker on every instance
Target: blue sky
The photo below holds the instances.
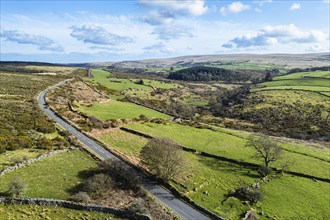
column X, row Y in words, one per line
column 89, row 31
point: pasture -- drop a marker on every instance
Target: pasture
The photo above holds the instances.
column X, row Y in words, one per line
column 10, row 158
column 231, row 146
column 308, row 81
column 103, row 77
column 114, row 109
column 317, row 74
column 207, row 181
column 54, row 177
column 35, row 212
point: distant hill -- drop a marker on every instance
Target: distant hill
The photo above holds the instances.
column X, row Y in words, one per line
column 286, row 61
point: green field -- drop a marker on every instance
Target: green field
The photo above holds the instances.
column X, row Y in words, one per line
column 296, row 198
column 207, row 180
column 119, row 110
column 230, row 146
column 273, row 97
column 131, row 146
column 54, row 177
column 35, row 212
column 320, row 74
column 308, row 81
column 102, row 77
column 299, row 82
column 13, row 157
column 302, row 88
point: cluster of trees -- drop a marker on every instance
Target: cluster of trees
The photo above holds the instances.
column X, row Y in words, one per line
column 310, row 69
column 204, row 73
column 297, row 120
column 224, row 99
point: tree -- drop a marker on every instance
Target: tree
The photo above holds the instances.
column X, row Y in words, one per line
column 16, row 187
column 140, row 82
column 266, row 149
column 163, row 156
column 268, row 76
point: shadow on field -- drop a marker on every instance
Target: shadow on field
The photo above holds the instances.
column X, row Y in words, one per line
column 228, row 167
column 83, row 176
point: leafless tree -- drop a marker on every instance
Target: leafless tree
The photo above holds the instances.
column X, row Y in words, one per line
column 265, row 148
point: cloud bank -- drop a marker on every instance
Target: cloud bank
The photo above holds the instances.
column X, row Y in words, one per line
column 273, row 35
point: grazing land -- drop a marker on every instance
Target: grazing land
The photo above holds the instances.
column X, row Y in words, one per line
column 231, row 146
column 292, row 105
column 10, row 158
column 307, row 81
column 114, row 109
column 54, row 177
column 34, row 212
column 104, row 78
column 207, row 181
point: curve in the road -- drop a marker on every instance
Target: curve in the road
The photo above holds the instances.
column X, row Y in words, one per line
column 176, row 205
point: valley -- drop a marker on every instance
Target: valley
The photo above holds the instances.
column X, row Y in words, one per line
column 211, row 121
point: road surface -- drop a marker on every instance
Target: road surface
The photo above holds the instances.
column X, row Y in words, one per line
column 176, row 205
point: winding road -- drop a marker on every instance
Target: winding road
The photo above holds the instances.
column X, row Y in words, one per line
column 164, row 196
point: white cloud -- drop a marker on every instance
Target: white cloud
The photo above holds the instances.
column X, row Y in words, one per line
column 190, row 7
column 168, row 32
column 159, row 18
column 107, row 49
column 262, row 2
column 274, row 35
column 91, row 33
column 326, row 1
column 158, row 48
column 295, row 6
column 235, row 7
column 43, row 43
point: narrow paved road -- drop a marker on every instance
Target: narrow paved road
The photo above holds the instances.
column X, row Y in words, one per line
column 176, row 205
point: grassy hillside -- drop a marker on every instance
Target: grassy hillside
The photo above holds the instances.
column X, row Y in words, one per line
column 232, row 146
column 103, row 77
column 207, row 180
column 267, row 61
column 34, row 212
column 312, row 81
column 55, row 177
column 317, row 74
column 114, row 109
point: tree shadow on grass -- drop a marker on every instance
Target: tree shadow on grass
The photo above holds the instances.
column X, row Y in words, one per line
column 228, row 167
column 83, row 176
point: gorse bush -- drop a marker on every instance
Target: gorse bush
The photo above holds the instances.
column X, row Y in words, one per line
column 246, row 193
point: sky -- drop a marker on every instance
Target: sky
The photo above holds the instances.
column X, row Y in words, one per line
column 72, row 31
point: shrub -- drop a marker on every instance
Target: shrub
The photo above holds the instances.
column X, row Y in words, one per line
column 264, row 171
column 98, row 183
column 16, row 187
column 125, row 178
column 246, row 193
column 137, row 206
column 81, row 197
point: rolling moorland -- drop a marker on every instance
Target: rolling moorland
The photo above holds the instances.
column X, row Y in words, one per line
column 210, row 114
